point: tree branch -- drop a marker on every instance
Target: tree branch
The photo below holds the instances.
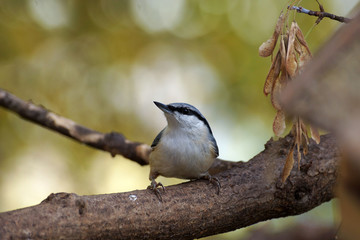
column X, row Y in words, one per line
column 309, row 230
column 251, row 192
column 113, row 142
column 320, row 14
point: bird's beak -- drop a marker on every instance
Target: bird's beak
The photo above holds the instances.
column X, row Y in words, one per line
column 163, row 107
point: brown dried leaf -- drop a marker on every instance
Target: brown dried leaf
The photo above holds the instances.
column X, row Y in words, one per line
column 315, row 134
column 273, row 74
column 291, row 64
column 279, row 123
column 267, row 48
column 288, row 165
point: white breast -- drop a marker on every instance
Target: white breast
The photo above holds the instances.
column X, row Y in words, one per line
column 182, row 154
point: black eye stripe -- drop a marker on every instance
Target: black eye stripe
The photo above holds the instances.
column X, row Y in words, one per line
column 183, row 110
column 188, row 111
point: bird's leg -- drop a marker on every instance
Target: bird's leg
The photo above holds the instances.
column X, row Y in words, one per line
column 154, row 187
column 214, row 180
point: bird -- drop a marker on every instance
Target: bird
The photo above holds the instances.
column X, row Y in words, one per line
column 185, row 148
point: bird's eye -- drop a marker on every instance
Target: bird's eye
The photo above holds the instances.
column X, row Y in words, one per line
column 185, row 111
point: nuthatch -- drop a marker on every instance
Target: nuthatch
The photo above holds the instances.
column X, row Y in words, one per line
column 185, row 148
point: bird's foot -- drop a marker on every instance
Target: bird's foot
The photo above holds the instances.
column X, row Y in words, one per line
column 213, row 180
column 154, row 187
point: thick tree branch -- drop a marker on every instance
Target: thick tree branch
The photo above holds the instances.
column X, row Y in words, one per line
column 114, row 143
column 251, row 192
column 309, row 230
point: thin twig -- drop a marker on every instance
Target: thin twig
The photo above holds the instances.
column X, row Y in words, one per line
column 113, row 142
column 320, row 14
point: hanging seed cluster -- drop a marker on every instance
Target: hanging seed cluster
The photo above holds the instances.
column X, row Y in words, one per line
column 293, row 53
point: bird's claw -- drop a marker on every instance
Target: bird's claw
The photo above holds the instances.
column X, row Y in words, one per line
column 154, row 187
column 215, row 181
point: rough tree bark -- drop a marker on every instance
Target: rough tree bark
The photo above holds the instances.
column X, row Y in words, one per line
column 251, row 192
column 302, row 231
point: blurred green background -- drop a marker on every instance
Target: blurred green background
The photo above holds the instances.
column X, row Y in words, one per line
column 102, row 63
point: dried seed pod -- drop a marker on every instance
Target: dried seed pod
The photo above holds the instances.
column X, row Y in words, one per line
column 267, row 48
column 292, row 55
column 273, row 74
column 297, row 47
column 305, row 139
column 280, row 24
column 305, row 54
column 304, row 132
column 302, row 56
column 288, row 165
column 315, row 134
column 279, row 84
column 298, row 156
column 279, row 123
column 301, row 38
column 291, row 64
column 298, row 140
column 305, row 145
column 283, row 44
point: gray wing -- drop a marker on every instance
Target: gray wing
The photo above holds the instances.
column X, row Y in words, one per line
column 215, row 145
column 157, row 139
